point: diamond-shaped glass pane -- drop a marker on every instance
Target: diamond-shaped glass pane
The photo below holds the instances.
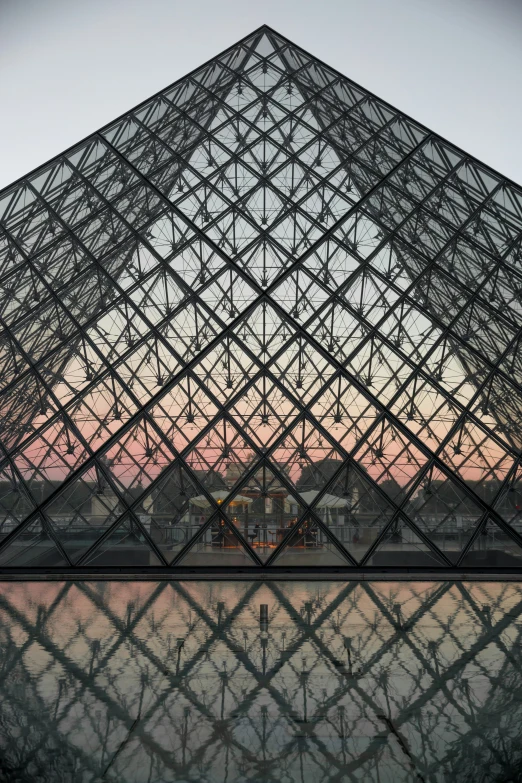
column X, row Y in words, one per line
column 263, row 509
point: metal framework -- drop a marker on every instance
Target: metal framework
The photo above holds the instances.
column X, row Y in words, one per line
column 262, row 321
column 171, row 681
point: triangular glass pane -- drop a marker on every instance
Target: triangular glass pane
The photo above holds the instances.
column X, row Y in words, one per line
column 175, row 509
column 15, row 502
column 308, row 545
column 217, row 545
column 508, row 503
column 263, row 509
column 33, row 547
column 126, row 545
column 83, row 511
column 493, row 547
column 402, row 546
column 444, row 512
column 264, row 46
column 354, row 510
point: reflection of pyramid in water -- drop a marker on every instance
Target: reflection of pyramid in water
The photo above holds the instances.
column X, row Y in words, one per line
column 262, row 320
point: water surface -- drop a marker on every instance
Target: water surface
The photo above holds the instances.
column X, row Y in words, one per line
column 154, row 682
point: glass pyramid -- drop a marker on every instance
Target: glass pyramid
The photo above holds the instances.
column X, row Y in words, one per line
column 261, row 319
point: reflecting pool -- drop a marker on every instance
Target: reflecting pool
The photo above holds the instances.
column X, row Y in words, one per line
column 148, row 682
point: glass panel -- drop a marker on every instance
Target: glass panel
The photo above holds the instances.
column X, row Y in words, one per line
column 309, row 545
column 49, row 459
column 307, row 458
column 33, row 547
column 15, row 501
column 124, row 546
column 354, row 510
column 493, row 547
column 302, row 370
column 344, row 412
column 263, row 510
column 225, row 369
column 264, row 331
column 82, row 512
column 444, row 512
column 264, row 411
column 217, row 545
column 221, row 458
column 175, row 509
column 477, row 459
column 183, row 412
column 402, row 546
column 137, row 459
column 391, row 459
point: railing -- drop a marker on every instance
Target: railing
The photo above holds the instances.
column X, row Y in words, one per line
column 178, row 534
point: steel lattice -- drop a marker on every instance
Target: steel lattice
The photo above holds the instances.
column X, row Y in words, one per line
column 262, row 320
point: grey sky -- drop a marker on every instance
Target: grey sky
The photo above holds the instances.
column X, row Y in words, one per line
column 68, row 67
